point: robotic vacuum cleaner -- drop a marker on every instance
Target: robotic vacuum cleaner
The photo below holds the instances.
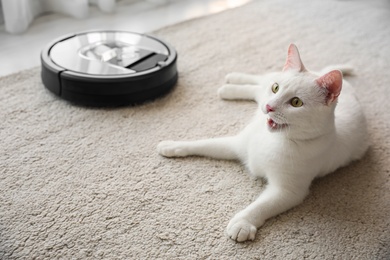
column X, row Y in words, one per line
column 109, row 68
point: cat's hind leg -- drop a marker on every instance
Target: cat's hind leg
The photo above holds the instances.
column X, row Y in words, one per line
column 232, row 92
column 219, row 148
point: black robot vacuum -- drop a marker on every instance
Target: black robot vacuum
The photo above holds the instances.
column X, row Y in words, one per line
column 109, row 68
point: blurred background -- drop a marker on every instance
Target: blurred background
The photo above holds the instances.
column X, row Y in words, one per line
column 26, row 26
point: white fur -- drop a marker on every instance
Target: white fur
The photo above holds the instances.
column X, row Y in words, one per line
column 318, row 139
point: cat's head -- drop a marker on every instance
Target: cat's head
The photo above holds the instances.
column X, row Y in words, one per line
column 298, row 102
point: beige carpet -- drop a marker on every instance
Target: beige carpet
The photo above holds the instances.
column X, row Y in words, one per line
column 80, row 183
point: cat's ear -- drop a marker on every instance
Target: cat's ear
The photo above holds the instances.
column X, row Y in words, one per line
column 293, row 61
column 332, row 83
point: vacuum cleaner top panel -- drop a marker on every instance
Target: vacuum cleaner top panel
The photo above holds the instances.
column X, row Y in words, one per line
column 108, row 53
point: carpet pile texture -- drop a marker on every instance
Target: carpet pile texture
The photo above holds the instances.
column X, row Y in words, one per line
column 87, row 183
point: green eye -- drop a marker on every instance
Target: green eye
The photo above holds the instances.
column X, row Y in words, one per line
column 275, row 87
column 296, row 102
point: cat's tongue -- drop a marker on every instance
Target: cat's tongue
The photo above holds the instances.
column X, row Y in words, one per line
column 273, row 125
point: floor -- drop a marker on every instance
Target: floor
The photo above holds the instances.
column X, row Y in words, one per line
column 19, row 52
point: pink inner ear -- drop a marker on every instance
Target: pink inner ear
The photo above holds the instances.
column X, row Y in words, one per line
column 333, row 82
column 293, row 61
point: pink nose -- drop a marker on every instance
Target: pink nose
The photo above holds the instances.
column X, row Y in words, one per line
column 269, row 108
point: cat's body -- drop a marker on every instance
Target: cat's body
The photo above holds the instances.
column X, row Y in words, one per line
column 297, row 134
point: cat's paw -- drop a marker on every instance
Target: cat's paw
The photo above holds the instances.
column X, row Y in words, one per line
column 171, row 149
column 240, row 229
column 234, row 78
column 227, row 92
column 237, row 92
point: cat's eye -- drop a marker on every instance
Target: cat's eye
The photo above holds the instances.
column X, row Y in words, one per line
column 296, row 102
column 275, row 87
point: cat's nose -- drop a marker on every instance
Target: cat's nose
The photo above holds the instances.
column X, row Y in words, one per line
column 269, row 108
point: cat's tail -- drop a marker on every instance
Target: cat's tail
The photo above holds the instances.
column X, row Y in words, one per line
column 346, row 69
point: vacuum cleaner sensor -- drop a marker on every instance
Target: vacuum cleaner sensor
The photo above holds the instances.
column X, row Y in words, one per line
column 108, row 68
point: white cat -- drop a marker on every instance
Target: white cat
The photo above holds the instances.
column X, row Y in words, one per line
column 297, row 134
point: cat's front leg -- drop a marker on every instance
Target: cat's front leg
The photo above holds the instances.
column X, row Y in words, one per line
column 273, row 201
column 219, row 148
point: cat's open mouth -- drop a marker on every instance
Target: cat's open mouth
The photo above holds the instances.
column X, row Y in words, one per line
column 275, row 126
